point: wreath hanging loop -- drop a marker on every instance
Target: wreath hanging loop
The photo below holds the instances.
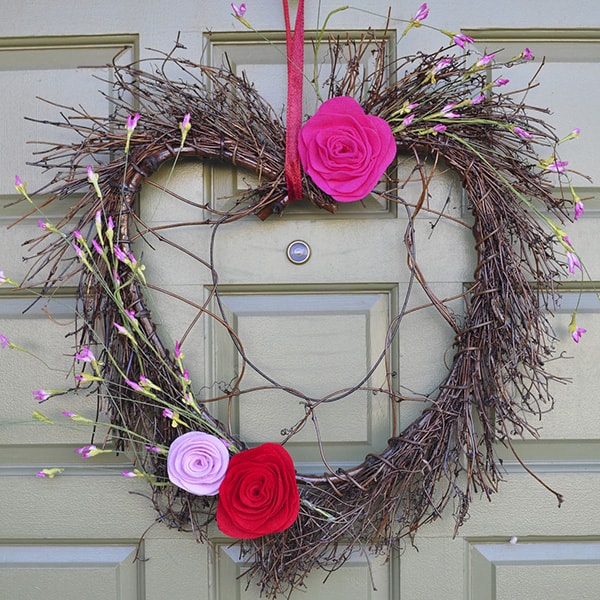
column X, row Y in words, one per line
column 437, row 107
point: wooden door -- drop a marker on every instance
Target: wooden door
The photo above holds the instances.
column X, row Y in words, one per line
column 313, row 326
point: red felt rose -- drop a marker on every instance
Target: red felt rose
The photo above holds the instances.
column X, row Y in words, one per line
column 259, row 494
column 345, row 151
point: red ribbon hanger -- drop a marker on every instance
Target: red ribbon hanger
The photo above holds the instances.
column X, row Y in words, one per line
column 295, row 72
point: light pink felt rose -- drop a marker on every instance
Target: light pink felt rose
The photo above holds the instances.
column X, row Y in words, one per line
column 344, row 150
column 197, row 462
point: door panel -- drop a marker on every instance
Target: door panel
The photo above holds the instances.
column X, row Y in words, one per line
column 97, row 571
column 534, row 570
column 355, row 579
column 314, row 326
column 284, row 336
column 60, row 70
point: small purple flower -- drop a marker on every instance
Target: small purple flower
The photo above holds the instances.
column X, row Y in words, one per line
column 4, row 341
column 97, row 247
column 501, row 81
column 121, row 329
column 131, row 314
column 527, row 54
column 408, row 120
column 485, row 60
column 185, row 127
column 558, row 166
column 129, row 474
column 77, row 234
column 46, row 226
column 175, row 418
column 49, row 473
column 421, row 14
column 85, row 355
column 197, row 462
column 21, row 187
column 93, row 179
column 442, row 64
column 41, row 395
column 522, row 133
column 573, row 262
column 238, row 11
column 177, row 349
column 578, row 209
column 133, row 385
column 132, row 121
column 186, row 121
column 91, row 450
column 577, row 333
column 460, row 39
column 6, row 279
column 130, row 126
column 447, row 111
column 87, row 377
column 478, row 99
column 439, row 128
column 119, row 254
column 86, row 451
column 154, row 449
column 69, row 414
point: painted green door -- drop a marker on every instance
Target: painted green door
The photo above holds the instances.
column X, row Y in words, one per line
column 313, row 326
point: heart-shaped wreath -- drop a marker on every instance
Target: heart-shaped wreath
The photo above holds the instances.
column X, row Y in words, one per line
column 438, row 106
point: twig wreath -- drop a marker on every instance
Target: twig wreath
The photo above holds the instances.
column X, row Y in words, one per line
column 438, row 106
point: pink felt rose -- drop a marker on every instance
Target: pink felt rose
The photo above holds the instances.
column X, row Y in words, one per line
column 344, row 150
column 197, row 462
